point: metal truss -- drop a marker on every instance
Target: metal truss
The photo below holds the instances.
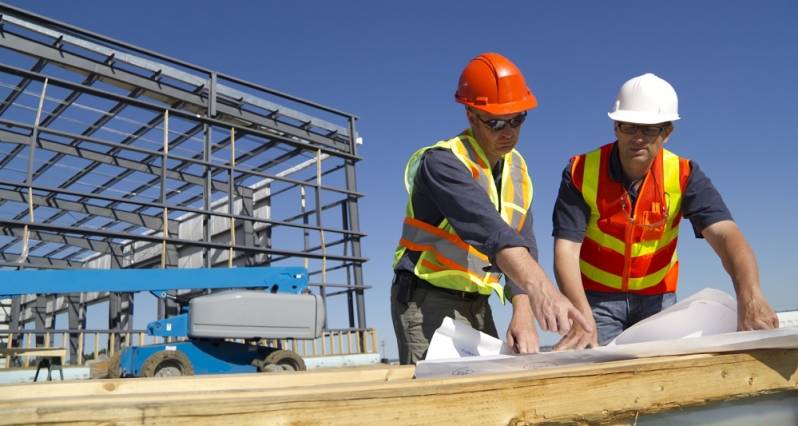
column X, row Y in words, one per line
column 116, row 156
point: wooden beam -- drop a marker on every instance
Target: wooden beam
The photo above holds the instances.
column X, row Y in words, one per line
column 590, row 393
column 208, row 383
column 34, row 352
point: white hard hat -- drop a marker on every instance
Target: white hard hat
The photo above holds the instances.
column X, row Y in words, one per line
column 646, row 99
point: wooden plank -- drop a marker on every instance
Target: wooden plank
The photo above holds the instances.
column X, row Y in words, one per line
column 31, row 345
column 81, row 338
column 208, row 383
column 34, row 352
column 590, row 393
column 96, row 345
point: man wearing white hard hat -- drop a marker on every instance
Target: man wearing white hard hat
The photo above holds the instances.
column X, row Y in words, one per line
column 617, row 216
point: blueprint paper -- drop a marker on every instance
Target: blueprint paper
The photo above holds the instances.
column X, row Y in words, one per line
column 783, row 338
column 705, row 313
column 699, row 324
column 456, row 339
column 788, row 319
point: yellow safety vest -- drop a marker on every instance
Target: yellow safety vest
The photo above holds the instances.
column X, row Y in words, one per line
column 446, row 260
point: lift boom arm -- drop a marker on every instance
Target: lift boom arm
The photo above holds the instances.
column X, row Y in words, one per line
column 276, row 279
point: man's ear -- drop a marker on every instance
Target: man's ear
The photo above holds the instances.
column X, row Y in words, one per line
column 470, row 117
column 667, row 134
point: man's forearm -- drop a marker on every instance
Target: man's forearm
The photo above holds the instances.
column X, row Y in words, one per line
column 743, row 269
column 553, row 311
column 521, row 268
column 567, row 274
column 737, row 257
column 569, row 278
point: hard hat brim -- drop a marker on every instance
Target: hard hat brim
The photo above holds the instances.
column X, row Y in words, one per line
column 505, row 108
column 638, row 117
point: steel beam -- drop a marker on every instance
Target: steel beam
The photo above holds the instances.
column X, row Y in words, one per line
column 7, row 259
column 97, row 246
column 158, row 239
column 151, row 222
column 159, row 91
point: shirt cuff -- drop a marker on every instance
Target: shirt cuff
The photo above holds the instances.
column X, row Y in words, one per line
column 575, row 236
column 503, row 238
column 511, row 289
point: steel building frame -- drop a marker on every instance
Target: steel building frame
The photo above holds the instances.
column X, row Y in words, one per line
column 113, row 156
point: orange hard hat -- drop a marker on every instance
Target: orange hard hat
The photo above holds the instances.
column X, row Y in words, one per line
column 491, row 83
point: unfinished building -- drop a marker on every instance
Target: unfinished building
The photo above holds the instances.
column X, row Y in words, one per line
column 114, row 156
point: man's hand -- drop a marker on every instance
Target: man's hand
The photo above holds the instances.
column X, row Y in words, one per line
column 554, row 311
column 579, row 338
column 521, row 334
column 754, row 313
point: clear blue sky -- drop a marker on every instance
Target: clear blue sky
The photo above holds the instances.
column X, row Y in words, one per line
column 396, row 64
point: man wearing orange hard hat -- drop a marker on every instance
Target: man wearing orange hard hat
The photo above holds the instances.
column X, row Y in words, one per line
column 469, row 221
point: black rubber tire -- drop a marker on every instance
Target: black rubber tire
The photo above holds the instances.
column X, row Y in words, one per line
column 114, row 369
column 156, row 364
column 282, row 360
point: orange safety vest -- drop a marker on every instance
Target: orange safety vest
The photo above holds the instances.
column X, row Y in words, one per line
column 446, row 260
column 625, row 249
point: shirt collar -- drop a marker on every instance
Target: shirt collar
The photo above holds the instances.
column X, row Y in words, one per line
column 497, row 170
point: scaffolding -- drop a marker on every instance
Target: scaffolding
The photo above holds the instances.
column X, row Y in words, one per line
column 114, row 156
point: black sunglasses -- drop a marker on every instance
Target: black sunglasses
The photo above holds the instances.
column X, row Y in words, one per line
column 498, row 124
column 631, row 129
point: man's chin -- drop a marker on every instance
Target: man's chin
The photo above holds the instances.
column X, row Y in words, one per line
column 640, row 159
column 505, row 149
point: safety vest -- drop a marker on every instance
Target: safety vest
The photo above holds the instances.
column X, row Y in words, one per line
column 630, row 249
column 446, row 260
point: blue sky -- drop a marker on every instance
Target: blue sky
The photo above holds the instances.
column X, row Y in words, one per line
column 396, row 64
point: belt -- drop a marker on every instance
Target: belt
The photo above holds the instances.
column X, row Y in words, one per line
column 419, row 283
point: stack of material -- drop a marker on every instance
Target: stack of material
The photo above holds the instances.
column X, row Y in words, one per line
column 606, row 392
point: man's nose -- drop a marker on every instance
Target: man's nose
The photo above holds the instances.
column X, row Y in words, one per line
column 639, row 136
column 507, row 132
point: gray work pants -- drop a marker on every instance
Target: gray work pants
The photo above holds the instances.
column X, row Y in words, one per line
column 418, row 308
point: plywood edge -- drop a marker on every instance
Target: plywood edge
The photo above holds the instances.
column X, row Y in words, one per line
column 613, row 391
column 206, row 383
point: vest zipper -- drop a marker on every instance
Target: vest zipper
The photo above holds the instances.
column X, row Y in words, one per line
column 627, row 250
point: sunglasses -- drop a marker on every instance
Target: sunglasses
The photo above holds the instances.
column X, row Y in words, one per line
column 498, row 124
column 631, row 129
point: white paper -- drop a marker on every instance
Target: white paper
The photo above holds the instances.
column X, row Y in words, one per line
column 705, row 313
column 788, row 319
column 457, row 339
column 782, row 338
column 702, row 323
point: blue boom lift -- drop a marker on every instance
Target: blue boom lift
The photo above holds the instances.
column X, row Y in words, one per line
column 274, row 306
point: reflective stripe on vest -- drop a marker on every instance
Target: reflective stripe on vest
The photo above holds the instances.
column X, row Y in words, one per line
column 629, row 249
column 446, row 260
